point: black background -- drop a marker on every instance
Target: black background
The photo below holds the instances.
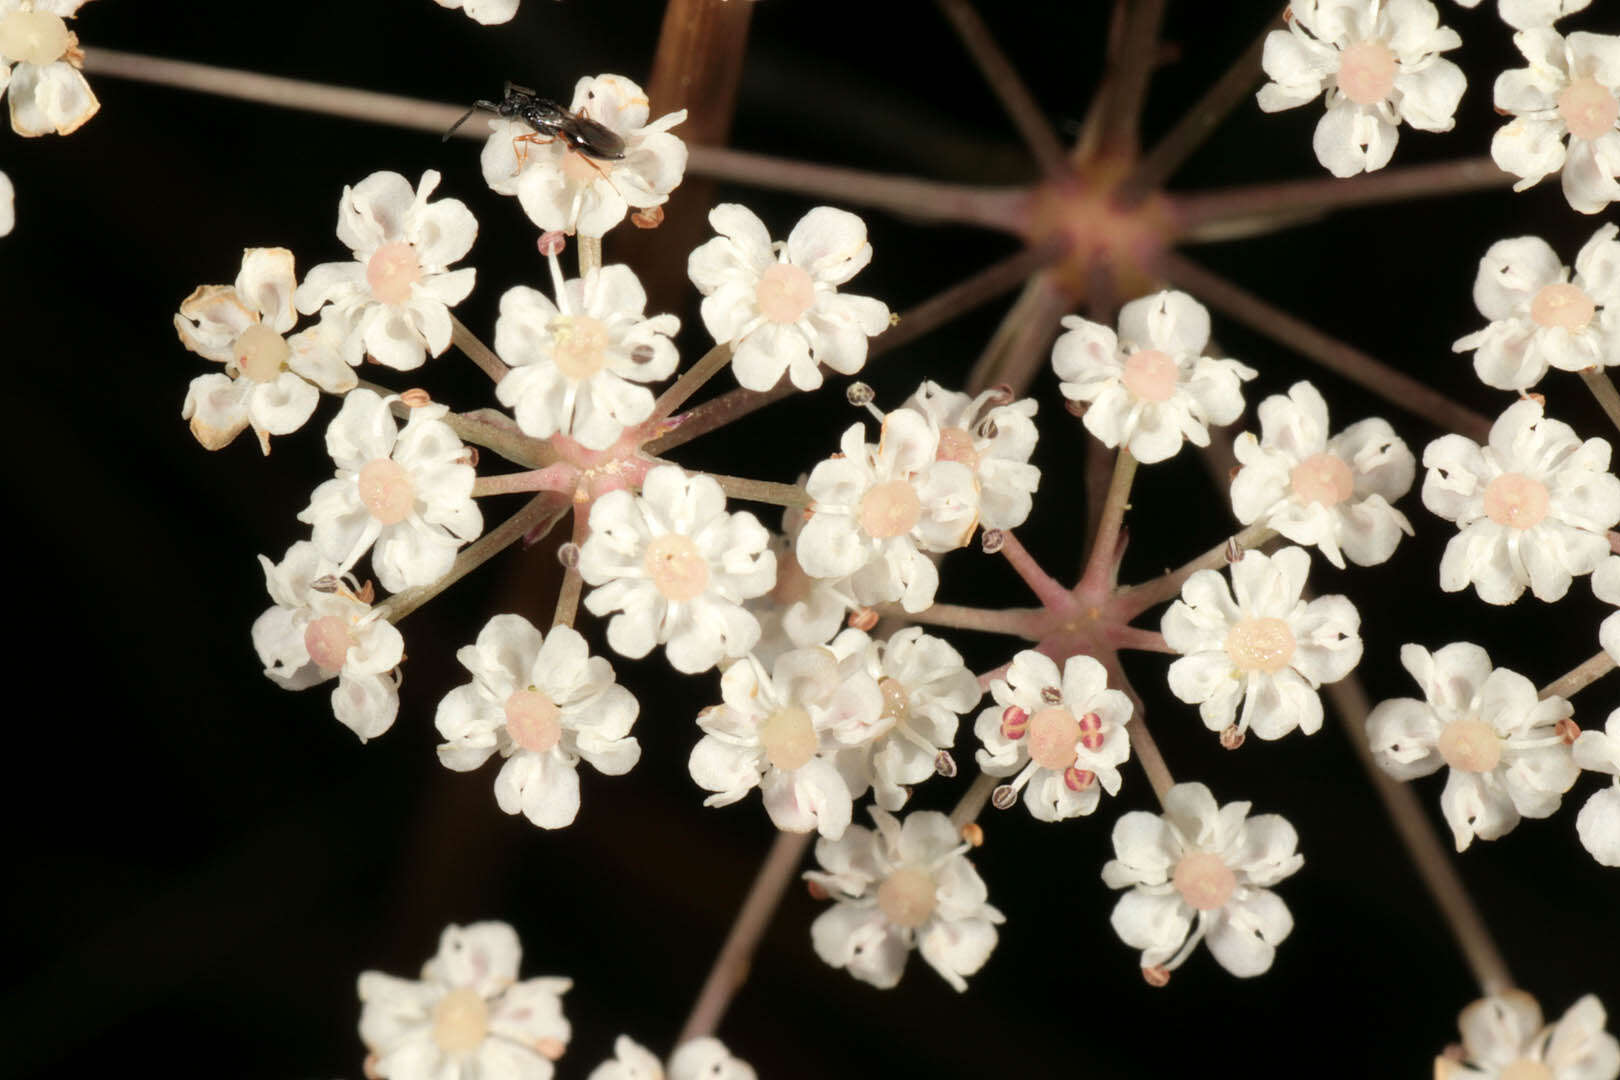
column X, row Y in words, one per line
column 203, row 863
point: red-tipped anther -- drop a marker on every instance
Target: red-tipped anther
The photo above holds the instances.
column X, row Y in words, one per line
column 1075, row 408
column 973, row 835
column 368, row 1068
column 1014, row 722
column 470, row 456
column 1156, row 975
column 1002, row 393
column 863, row 618
column 649, row 218
column 1231, row 737
column 367, row 593
column 817, row 890
column 415, row 398
column 1078, row 779
column 1003, row 797
column 1568, row 731
column 992, row 540
column 1091, row 736
column 552, row 243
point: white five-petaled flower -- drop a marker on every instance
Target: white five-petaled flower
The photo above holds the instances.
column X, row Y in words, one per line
column 1529, row 14
column 778, row 305
column 878, row 508
column 543, row 702
column 1606, row 587
column 575, row 363
column 1334, row 494
column 1598, row 823
column 1532, row 507
column 901, row 886
column 468, row 1018
column 39, row 66
column 1259, row 643
column 994, row 438
column 1150, row 386
column 703, row 1058
column 800, row 610
column 267, row 377
column 322, row 627
column 1507, row 753
column 676, row 567
column 779, row 731
column 1570, row 90
column 8, row 208
column 409, row 492
column 488, row 12
column 1202, row 864
column 1062, row 735
column 564, row 190
column 1541, row 318
column 395, row 297
column 1378, row 62
column 1503, row 1039
column 926, row 688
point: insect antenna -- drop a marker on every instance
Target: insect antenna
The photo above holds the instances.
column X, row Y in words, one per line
column 486, row 106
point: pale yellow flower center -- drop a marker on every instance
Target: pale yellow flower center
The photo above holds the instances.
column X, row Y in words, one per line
column 533, row 720
column 957, row 445
column 1516, row 501
column 1563, row 306
column 676, row 567
column 460, row 1021
column 34, row 37
column 788, row 738
column 1204, row 880
column 1525, row 1069
column 1150, row 375
column 1053, row 735
column 1367, row 72
column 1260, row 644
column 260, row 353
column 1322, row 478
column 896, row 703
column 386, row 490
column 1587, row 107
column 889, row 509
column 907, row 897
column 1470, row 745
column 327, row 641
column 784, row 293
column 392, row 271
column 579, row 346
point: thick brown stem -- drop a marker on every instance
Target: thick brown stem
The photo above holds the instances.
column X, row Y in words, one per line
column 1005, row 83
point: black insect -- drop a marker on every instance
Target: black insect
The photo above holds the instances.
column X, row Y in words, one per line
column 551, row 121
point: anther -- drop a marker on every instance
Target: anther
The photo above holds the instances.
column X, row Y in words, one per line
column 988, row 429
column 817, row 890
column 1078, row 779
column 863, row 618
column 859, row 394
column 944, row 764
column 552, row 243
column 1567, row 730
column 642, row 354
column 1004, row 797
column 1231, row 737
column 415, row 398
column 327, row 583
column 1014, row 722
column 649, row 218
column 992, row 540
column 1233, row 551
column 1156, row 976
column 973, row 835
column 1001, row 393
column 1051, row 695
column 1075, row 408
column 568, row 554
column 470, row 456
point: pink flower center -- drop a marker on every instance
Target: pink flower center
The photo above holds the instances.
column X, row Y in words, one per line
column 1525, row 1069
column 579, row 346
column 957, row 445
column 1588, row 108
column 907, row 897
column 889, row 509
column 792, row 583
column 386, row 490
column 1204, row 880
column 1563, row 306
column 1053, row 735
column 788, row 738
column 34, row 37
column 392, row 271
column 260, row 353
column 1150, row 375
column 1516, row 501
column 327, row 641
column 1470, row 745
column 677, row 569
column 1367, row 72
column 533, row 720
column 1322, row 478
column 460, row 1021
column 1265, row 645
column 785, row 293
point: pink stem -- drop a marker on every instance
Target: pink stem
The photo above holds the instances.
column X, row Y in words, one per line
column 1047, row 590
column 1009, row 89
column 561, row 478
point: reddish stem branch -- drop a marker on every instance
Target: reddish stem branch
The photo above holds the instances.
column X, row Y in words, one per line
column 1051, row 593
column 1127, row 78
column 1138, row 598
column 1098, row 578
column 1013, row 622
column 1019, row 347
column 1009, row 89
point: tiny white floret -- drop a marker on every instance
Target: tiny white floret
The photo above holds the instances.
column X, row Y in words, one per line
column 40, row 60
column 1599, row 821
column 992, row 436
column 1565, row 109
column 1503, row 1038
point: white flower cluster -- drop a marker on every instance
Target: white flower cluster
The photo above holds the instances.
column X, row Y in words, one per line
column 1503, row 1038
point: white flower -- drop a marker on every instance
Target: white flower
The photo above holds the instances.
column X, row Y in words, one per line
column 562, row 189
column 1260, row 644
column 800, row 610
column 703, row 1058
column 1570, row 88
column 575, row 363
column 8, row 210
column 488, row 12
column 926, row 688
column 878, row 508
column 1149, row 387
column 1333, row 493
column 1599, row 821
column 1507, row 757
column 267, row 378
column 48, row 93
column 1378, row 62
column 1503, row 1039
column 1539, row 317
column 543, row 703
column 468, row 1018
column 779, row 732
column 408, row 491
column 395, row 297
column 631, row 1061
column 778, row 305
column 1606, row 587
column 1529, row 14
column 994, row 442
column 903, row 886
column 1532, row 507
column 1202, row 863
column 1064, row 735
column 323, row 626
column 677, row 567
